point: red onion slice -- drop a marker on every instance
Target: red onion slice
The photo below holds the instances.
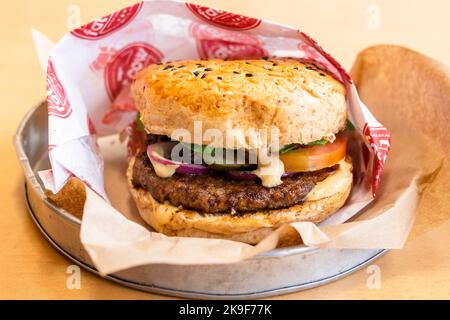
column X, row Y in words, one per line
column 245, row 175
column 241, row 175
column 192, row 169
column 157, row 152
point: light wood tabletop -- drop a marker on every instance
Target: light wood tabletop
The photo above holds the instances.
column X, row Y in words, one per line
column 32, row 269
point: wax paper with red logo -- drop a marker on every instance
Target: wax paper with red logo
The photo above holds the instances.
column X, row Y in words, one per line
column 89, row 73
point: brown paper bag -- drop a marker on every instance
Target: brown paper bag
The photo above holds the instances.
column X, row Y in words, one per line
column 410, row 94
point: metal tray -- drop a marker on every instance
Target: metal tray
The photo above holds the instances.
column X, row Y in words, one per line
column 276, row 272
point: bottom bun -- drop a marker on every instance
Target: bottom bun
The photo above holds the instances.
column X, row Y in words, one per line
column 325, row 199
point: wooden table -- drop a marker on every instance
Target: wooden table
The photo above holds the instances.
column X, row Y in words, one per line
column 31, row 268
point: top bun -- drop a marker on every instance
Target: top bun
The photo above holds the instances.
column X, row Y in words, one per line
column 298, row 97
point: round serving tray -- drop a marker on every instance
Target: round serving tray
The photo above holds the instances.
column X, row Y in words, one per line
column 279, row 271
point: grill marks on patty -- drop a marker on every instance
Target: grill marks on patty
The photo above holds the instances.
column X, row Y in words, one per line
column 214, row 193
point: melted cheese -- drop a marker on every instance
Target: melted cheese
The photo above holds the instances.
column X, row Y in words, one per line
column 332, row 183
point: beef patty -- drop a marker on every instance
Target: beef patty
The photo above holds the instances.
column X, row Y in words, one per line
column 215, row 193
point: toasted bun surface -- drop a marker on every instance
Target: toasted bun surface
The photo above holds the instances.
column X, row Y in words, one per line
column 327, row 197
column 297, row 97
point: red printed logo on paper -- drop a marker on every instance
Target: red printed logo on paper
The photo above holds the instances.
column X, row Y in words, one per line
column 122, row 69
column 224, row 19
column 380, row 142
column 102, row 27
column 57, row 103
column 226, row 50
column 218, row 43
column 104, row 57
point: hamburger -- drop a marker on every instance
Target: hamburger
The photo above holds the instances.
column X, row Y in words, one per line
column 232, row 181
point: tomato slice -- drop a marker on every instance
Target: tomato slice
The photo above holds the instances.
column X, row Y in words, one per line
column 315, row 157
